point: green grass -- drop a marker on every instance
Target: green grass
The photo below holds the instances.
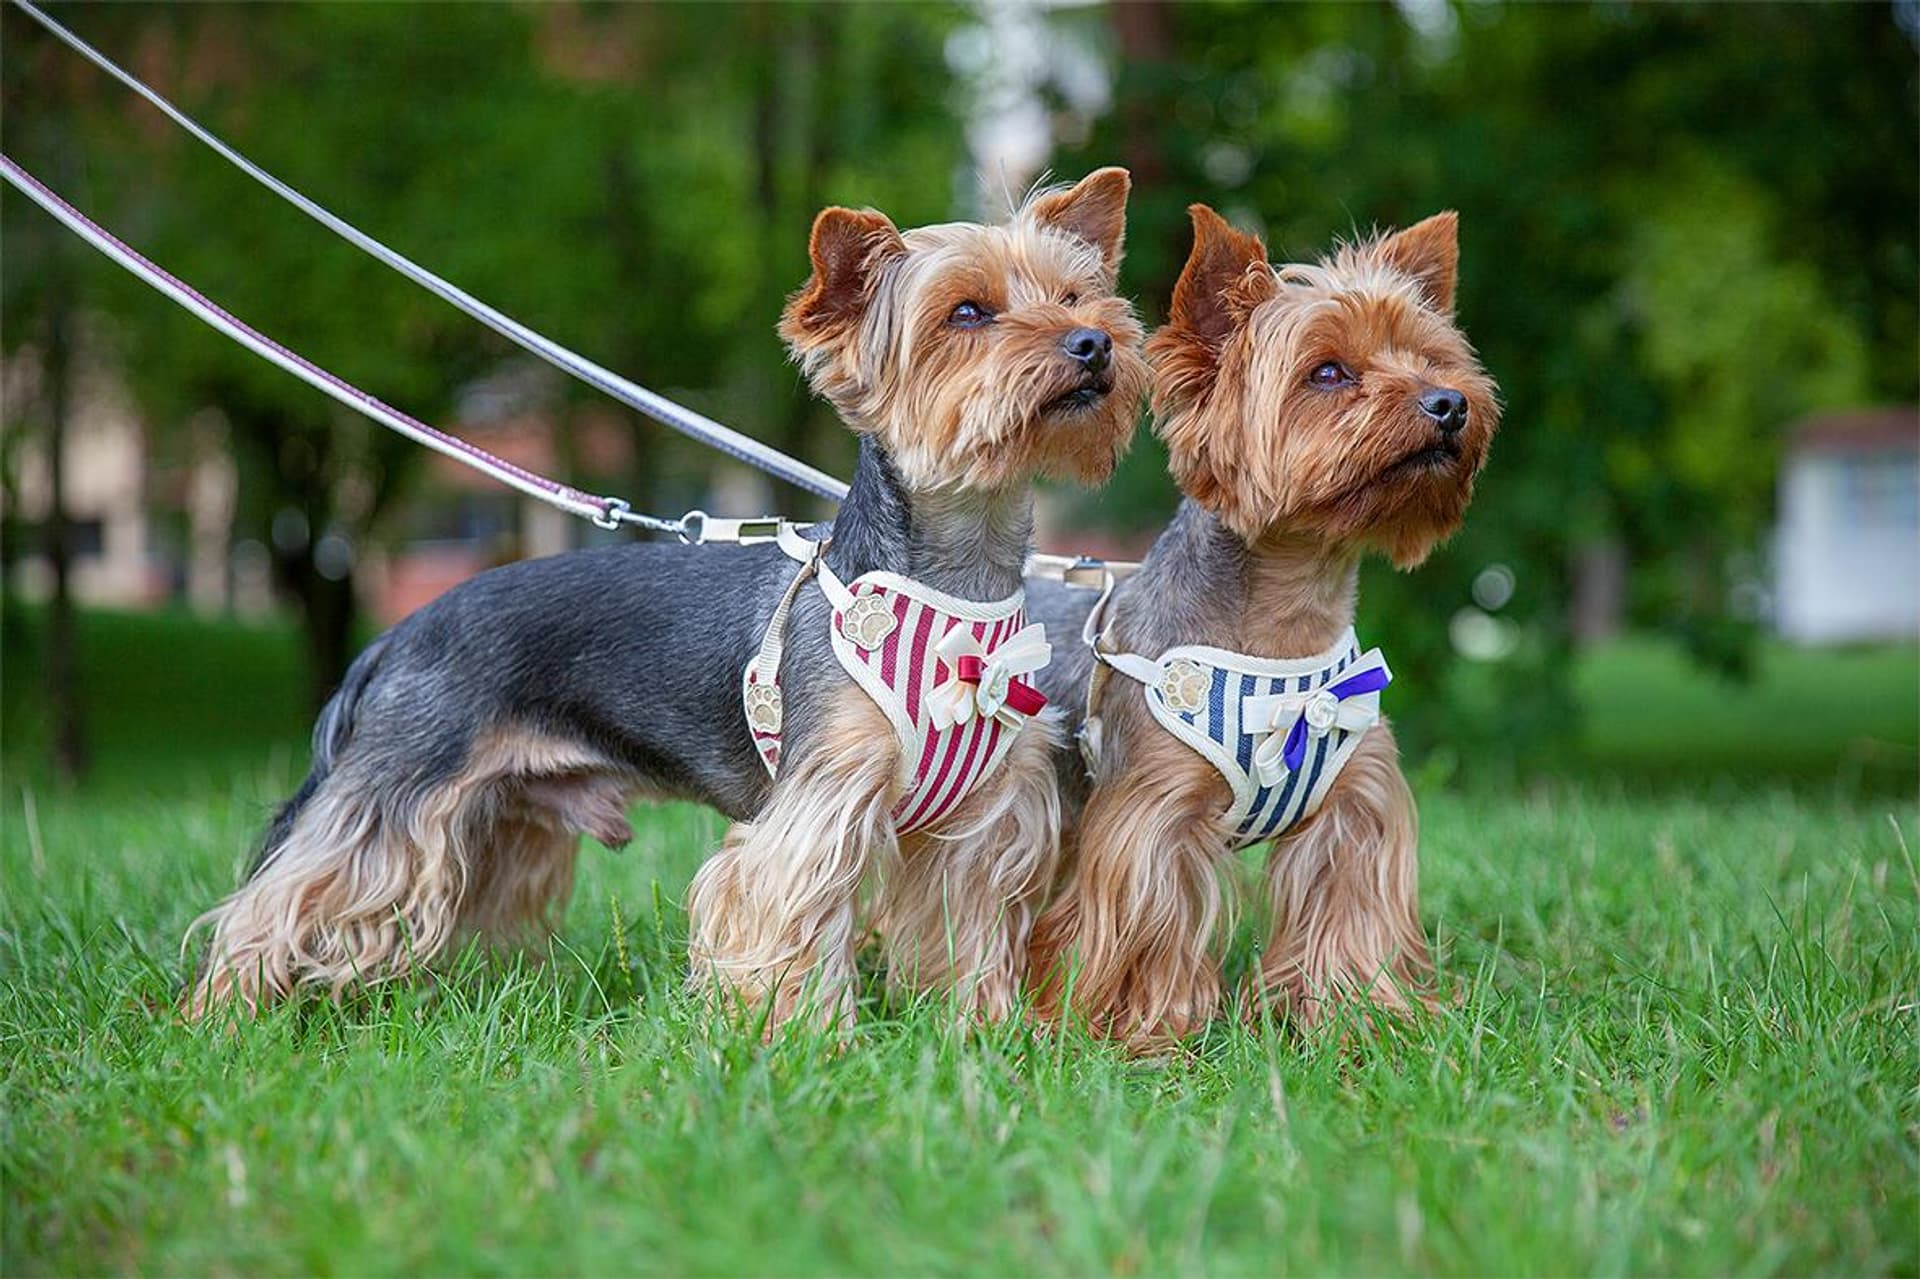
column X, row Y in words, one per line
column 1685, row 1042
column 1837, row 717
column 175, row 704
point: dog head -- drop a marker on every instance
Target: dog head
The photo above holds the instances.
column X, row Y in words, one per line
column 1339, row 400
column 979, row 356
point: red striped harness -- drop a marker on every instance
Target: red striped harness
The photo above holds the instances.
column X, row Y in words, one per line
column 946, row 671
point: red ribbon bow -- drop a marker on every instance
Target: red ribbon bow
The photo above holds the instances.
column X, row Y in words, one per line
column 1024, row 698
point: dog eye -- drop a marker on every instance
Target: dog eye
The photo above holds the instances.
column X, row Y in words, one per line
column 969, row 315
column 1331, row 374
column 1070, row 299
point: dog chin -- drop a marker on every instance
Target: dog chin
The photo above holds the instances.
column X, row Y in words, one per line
column 1073, row 404
column 1436, row 461
column 1072, row 456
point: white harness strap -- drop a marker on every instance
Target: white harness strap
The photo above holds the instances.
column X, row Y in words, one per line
column 1278, row 730
column 1092, row 633
column 760, row 683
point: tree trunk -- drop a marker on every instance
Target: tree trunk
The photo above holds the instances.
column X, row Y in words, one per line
column 1144, row 31
column 791, row 150
column 327, row 608
column 633, row 245
column 326, row 605
column 300, row 465
column 71, row 753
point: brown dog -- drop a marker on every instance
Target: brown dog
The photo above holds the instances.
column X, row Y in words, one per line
column 1313, row 414
column 793, row 688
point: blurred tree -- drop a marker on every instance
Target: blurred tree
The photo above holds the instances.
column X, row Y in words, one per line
column 636, row 181
column 1682, row 227
column 42, row 307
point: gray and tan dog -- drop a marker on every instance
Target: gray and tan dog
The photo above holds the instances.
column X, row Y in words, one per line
column 471, row 745
column 1313, row 414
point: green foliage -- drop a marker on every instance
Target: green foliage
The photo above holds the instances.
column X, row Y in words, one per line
column 1737, row 340
column 1682, row 228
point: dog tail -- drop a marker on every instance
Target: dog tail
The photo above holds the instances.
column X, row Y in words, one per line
column 331, row 733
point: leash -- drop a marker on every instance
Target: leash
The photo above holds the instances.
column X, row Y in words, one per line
column 695, row 527
column 605, row 512
column 677, row 416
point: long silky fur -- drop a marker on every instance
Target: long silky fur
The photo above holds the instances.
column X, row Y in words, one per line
column 367, row 880
column 957, row 910
column 471, row 746
column 1344, row 892
column 1287, row 485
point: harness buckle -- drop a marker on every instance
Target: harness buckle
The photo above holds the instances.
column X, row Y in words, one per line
column 1087, row 573
column 752, row 532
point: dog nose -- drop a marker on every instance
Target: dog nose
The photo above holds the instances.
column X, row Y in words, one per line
column 1092, row 347
column 1446, row 406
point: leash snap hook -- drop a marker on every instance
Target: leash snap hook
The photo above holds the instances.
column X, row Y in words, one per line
column 692, row 530
column 614, row 514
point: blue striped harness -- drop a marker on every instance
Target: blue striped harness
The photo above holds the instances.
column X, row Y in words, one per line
column 1279, row 730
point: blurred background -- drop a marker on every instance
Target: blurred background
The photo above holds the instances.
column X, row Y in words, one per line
column 1689, row 257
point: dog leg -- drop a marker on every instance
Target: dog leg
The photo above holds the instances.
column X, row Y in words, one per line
column 377, row 876
column 772, row 914
column 521, row 879
column 366, row 885
column 1130, row 939
column 522, row 873
column 958, row 912
column 1345, row 896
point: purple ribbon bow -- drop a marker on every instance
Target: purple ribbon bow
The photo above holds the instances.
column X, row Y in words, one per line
column 1371, row 680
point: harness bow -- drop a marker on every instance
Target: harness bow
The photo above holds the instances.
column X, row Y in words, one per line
column 1351, row 704
column 988, row 685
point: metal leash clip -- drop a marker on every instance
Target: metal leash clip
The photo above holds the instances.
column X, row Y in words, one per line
column 696, row 528
column 616, row 512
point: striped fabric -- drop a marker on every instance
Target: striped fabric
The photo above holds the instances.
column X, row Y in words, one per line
column 885, row 636
column 1217, row 685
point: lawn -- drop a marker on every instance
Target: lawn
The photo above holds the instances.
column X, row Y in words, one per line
column 1685, row 1042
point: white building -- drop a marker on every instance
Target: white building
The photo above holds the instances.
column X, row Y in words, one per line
column 106, row 474
column 1847, row 552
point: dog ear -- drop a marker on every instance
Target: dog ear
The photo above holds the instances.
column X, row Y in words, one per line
column 848, row 247
column 1094, row 209
column 1429, row 251
column 1225, row 279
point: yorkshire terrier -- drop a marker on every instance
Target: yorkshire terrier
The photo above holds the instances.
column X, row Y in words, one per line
column 866, row 716
column 1312, row 414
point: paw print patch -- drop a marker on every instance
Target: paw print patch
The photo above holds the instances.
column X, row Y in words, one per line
column 1184, row 687
column 869, row 621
